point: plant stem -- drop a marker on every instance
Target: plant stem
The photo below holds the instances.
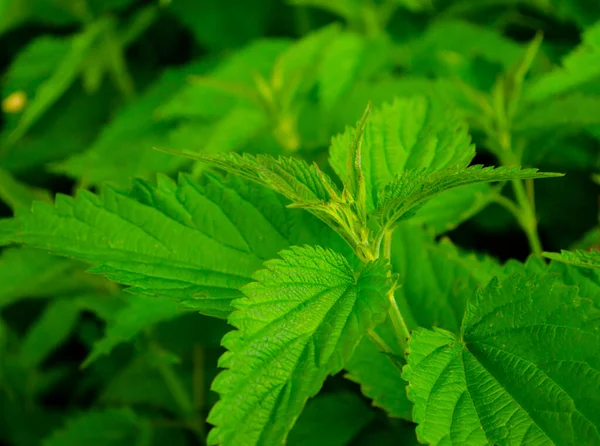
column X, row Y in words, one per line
column 528, row 219
column 400, row 327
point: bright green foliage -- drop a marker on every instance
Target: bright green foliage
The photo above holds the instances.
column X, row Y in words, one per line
column 580, row 67
column 569, row 112
column 400, row 198
column 379, row 373
column 140, row 313
column 406, row 135
column 299, row 322
column 441, row 303
column 353, row 126
column 330, row 420
column 523, row 371
column 158, row 239
column 108, row 428
column 587, row 259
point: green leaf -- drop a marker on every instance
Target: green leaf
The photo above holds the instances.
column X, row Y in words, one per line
column 436, row 280
column 379, row 374
column 65, row 71
column 113, row 427
column 408, row 134
column 579, row 67
column 300, row 321
column 26, row 272
column 45, row 141
column 123, row 149
column 444, row 212
column 340, row 67
column 231, row 83
column 140, row 313
column 451, row 42
column 190, row 242
column 586, row 259
column 523, row 371
column 331, row 419
column 572, row 112
column 52, row 328
column 140, row 382
column 17, row 194
column 219, row 27
column 403, row 196
column 293, row 178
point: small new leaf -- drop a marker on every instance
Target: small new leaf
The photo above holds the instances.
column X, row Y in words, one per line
column 586, row 259
column 402, row 197
column 299, row 322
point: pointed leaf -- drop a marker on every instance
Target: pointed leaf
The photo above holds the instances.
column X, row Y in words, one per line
column 408, row 134
column 402, row 197
column 190, row 242
column 299, row 323
column 586, row 259
column 525, row 369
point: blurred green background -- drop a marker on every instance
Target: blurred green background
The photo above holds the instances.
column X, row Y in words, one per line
column 90, row 87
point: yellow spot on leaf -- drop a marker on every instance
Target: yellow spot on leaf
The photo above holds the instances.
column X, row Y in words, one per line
column 14, row 102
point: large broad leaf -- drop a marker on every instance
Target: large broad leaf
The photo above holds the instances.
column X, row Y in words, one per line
column 300, row 322
column 524, row 370
column 408, row 134
column 435, row 282
column 196, row 242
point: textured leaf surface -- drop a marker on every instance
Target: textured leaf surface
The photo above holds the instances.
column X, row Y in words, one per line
column 299, row 322
column 331, row 420
column 108, row 428
column 293, row 178
column 191, row 241
column 586, row 259
column 400, row 198
column 525, row 369
column 408, row 134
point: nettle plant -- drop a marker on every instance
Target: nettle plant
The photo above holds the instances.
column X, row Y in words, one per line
column 318, row 275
